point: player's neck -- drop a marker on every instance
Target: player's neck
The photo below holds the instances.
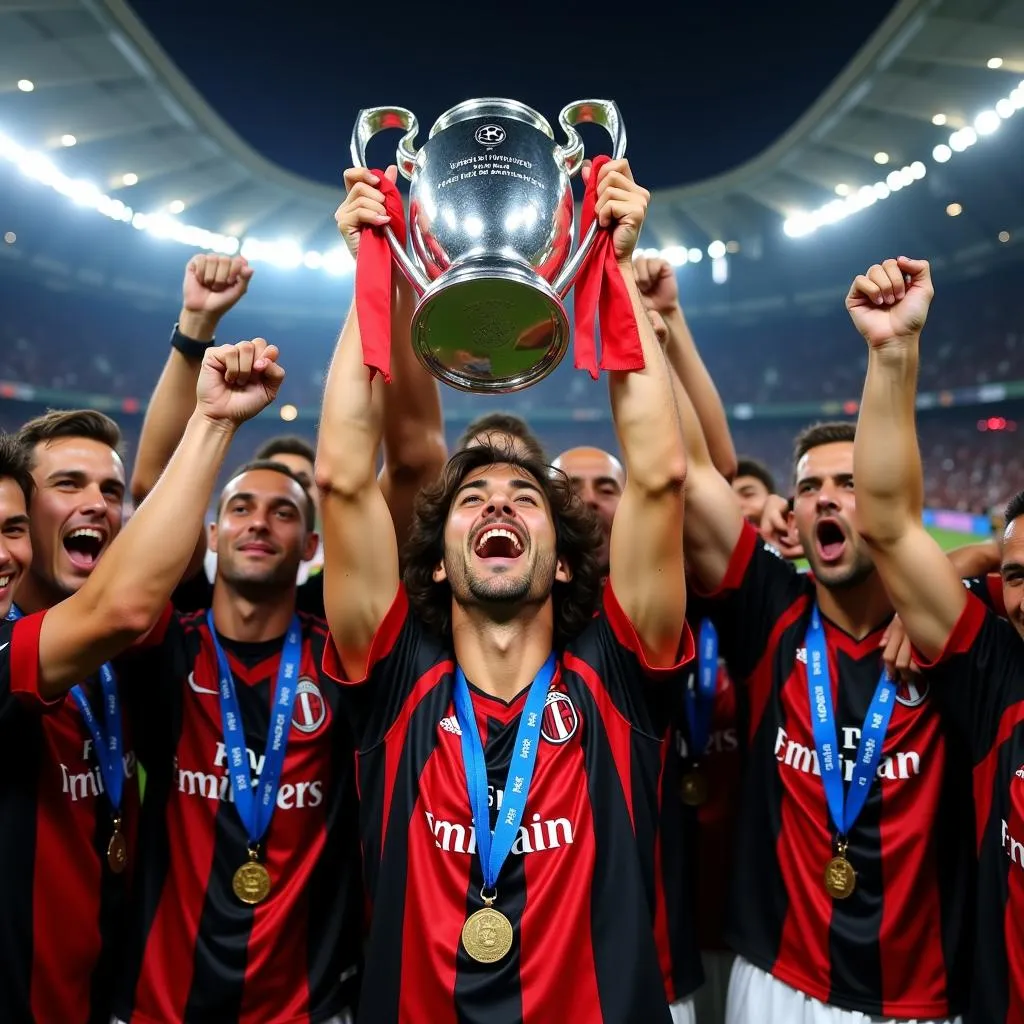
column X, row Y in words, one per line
column 249, row 620
column 501, row 658
column 35, row 594
column 856, row 610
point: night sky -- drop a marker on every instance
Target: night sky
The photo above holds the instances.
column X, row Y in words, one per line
column 701, row 87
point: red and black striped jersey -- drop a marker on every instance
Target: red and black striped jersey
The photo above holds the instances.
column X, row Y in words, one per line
column 196, row 952
column 579, row 884
column 61, row 907
column 980, row 678
column 899, row 946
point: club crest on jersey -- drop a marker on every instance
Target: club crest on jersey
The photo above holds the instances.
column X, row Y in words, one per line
column 912, row 694
column 560, row 720
column 310, row 707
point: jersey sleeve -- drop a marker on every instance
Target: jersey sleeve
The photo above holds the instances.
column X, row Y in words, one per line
column 979, row 676
column 988, row 590
column 19, row 667
column 609, row 656
column 758, row 589
column 405, row 662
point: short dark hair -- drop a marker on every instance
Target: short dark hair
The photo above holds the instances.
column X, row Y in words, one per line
column 1014, row 508
column 747, row 466
column 57, row 424
column 818, row 434
column 274, row 467
column 286, row 444
column 14, row 464
column 577, row 541
column 504, row 423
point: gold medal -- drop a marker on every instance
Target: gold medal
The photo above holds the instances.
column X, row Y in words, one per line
column 117, row 849
column 487, row 935
column 251, row 881
column 840, row 878
column 693, row 789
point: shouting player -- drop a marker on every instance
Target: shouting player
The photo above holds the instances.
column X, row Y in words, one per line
column 852, row 862
column 68, row 799
column 487, row 694
column 979, row 660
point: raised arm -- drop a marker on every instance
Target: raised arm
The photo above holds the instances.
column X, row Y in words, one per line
column 657, row 282
column 360, row 547
column 646, row 547
column 414, row 447
column 889, row 306
column 133, row 581
column 212, row 285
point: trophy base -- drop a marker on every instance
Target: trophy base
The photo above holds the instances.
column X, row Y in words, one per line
column 487, row 328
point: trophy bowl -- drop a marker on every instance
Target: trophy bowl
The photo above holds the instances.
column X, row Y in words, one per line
column 491, row 220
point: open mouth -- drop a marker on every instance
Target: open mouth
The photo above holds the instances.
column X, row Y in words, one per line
column 84, row 547
column 498, row 542
column 830, row 539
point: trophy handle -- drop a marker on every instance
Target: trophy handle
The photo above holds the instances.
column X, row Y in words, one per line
column 605, row 113
column 370, row 122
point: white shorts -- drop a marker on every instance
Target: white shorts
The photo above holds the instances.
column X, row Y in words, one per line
column 755, row 997
column 683, row 1011
column 709, row 999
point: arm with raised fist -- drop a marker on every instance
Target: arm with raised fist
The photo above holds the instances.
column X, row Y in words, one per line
column 660, row 291
column 646, row 545
column 889, row 305
column 413, row 439
column 212, row 286
column 360, row 546
column 131, row 585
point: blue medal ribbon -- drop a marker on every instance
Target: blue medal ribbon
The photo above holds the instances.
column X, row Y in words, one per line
column 700, row 694
column 844, row 806
column 256, row 803
column 493, row 848
column 107, row 736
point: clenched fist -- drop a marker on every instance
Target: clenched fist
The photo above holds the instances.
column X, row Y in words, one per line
column 890, row 302
column 237, row 382
column 212, row 286
column 657, row 283
column 363, row 206
column 619, row 201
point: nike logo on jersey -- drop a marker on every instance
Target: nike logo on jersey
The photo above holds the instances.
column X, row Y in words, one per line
column 196, row 688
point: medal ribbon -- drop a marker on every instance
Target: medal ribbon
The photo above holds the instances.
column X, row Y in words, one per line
column 700, row 695
column 256, row 803
column 826, row 741
column 108, row 747
column 493, row 849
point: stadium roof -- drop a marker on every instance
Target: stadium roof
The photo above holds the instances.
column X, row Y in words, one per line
column 98, row 75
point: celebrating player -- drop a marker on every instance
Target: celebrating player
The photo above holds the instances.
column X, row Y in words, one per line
column 69, row 799
column 979, row 659
column 15, row 542
column 487, row 693
column 852, row 858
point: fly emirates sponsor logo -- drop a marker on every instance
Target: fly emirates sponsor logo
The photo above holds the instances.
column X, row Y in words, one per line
column 535, row 836
column 216, row 785
column 88, row 784
column 904, row 764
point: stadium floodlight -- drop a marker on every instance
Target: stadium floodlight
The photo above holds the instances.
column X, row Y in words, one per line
column 941, row 153
column 696, row 255
column 987, row 122
column 881, row 157
column 176, row 206
column 894, row 180
column 129, row 179
column 26, row 84
column 994, row 63
column 68, row 140
column 676, row 255
column 1005, row 108
column 842, row 189
column 716, row 250
column 938, row 120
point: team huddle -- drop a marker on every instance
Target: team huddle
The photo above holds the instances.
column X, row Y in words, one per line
column 492, row 736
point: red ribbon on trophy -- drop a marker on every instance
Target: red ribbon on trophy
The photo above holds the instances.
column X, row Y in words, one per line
column 600, row 289
column 374, row 282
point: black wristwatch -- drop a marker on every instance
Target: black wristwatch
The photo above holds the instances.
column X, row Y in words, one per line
column 189, row 346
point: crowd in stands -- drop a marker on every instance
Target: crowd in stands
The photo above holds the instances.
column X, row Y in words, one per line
column 88, row 346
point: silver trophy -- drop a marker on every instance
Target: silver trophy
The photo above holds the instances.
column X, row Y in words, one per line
column 491, row 219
